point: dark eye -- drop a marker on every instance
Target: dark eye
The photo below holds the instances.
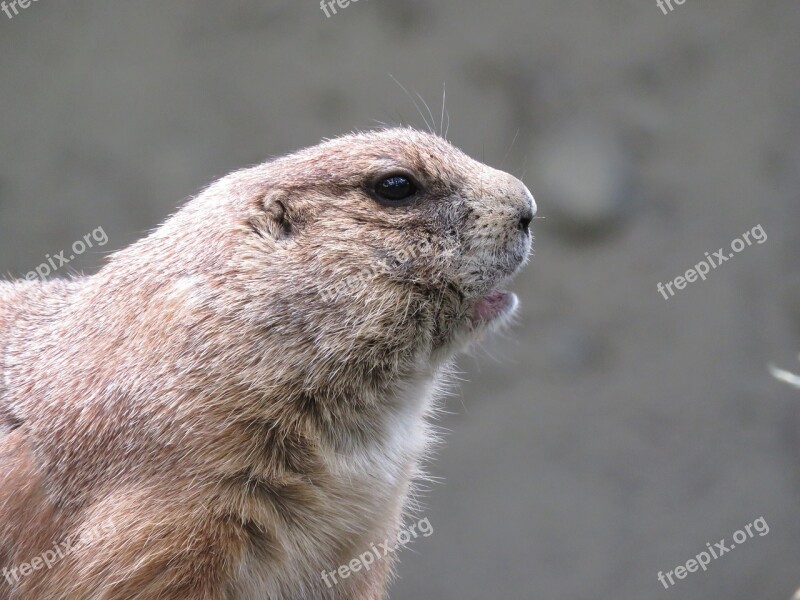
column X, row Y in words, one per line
column 395, row 188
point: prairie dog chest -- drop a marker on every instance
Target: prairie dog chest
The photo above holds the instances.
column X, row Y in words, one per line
column 386, row 457
column 370, row 478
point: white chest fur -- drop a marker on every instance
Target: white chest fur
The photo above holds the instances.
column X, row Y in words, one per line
column 362, row 509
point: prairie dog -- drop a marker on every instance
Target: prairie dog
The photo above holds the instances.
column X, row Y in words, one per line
column 238, row 401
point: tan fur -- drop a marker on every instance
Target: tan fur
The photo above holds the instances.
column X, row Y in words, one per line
column 241, row 427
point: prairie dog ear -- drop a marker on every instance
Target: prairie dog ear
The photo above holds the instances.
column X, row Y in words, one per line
column 273, row 219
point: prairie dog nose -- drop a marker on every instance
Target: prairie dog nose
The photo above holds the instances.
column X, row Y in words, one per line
column 506, row 201
column 527, row 212
column 525, row 221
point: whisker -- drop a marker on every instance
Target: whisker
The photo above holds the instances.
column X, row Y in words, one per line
column 510, row 147
column 444, row 99
column 428, row 108
column 419, row 110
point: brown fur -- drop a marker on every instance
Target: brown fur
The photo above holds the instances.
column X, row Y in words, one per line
column 241, row 427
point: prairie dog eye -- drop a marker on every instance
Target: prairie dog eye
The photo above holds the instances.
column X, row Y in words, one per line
column 395, row 188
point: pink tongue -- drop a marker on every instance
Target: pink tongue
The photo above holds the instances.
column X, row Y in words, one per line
column 491, row 305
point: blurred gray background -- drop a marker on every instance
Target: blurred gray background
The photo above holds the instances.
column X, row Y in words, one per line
column 612, row 433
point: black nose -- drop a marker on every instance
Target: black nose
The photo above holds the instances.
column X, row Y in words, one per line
column 525, row 221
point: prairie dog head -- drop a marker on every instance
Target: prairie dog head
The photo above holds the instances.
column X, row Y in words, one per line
column 401, row 223
column 375, row 251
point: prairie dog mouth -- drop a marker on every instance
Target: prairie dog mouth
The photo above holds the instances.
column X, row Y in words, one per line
column 493, row 306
